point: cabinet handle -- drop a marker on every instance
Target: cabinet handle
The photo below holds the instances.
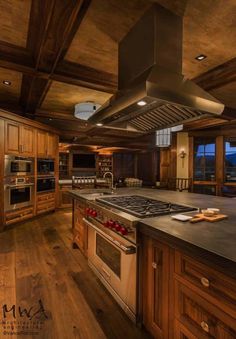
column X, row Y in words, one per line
column 154, row 265
column 205, row 282
column 205, row 326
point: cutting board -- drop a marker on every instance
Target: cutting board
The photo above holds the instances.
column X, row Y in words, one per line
column 202, row 217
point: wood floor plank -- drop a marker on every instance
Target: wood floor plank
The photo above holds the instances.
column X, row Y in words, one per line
column 37, row 262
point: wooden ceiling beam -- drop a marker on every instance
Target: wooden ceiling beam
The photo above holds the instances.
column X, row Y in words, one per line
column 52, row 28
column 218, row 76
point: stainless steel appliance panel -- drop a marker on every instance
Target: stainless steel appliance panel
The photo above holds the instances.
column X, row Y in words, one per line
column 18, row 193
column 15, row 165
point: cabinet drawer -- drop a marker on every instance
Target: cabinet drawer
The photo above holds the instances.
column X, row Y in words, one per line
column 42, row 208
column 181, row 332
column 43, row 197
column 203, row 319
column 20, row 215
column 219, row 289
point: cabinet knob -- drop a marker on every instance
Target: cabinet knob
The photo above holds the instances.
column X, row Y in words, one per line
column 154, row 265
column 205, row 326
column 205, row 282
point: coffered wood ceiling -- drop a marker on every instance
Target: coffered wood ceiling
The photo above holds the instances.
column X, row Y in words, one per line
column 58, row 53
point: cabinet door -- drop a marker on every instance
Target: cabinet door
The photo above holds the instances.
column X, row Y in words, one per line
column 156, row 289
column 12, row 138
column 41, row 143
column 27, row 140
column 51, row 145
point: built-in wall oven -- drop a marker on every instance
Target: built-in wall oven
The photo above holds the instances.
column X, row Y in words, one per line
column 45, row 184
column 114, row 259
column 18, row 193
column 15, row 165
column 45, row 166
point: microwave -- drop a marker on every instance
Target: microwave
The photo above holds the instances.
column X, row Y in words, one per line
column 15, row 165
column 45, row 166
column 45, row 184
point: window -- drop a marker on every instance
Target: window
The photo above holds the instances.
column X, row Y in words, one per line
column 230, row 160
column 204, row 159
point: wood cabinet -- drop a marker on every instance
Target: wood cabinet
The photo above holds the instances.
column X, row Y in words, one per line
column 79, row 228
column 45, row 202
column 65, row 200
column 156, row 288
column 183, row 298
column 46, row 144
column 19, row 139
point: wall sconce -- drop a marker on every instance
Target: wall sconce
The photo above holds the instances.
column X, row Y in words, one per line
column 182, row 154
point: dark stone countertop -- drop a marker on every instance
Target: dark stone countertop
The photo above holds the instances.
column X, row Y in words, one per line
column 218, row 238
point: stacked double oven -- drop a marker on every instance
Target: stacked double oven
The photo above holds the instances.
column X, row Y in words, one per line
column 45, row 175
column 19, row 182
column 22, row 179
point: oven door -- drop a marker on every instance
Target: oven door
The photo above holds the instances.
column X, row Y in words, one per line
column 45, row 185
column 18, row 196
column 114, row 260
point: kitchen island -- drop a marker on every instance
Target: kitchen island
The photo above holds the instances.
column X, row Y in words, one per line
column 186, row 272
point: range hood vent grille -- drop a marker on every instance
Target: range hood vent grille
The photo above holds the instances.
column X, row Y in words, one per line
column 165, row 115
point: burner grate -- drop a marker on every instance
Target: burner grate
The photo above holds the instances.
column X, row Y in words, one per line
column 142, row 207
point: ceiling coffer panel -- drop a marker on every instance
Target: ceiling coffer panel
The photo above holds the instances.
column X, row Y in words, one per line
column 150, row 70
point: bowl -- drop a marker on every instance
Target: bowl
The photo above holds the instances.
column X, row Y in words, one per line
column 214, row 210
column 208, row 213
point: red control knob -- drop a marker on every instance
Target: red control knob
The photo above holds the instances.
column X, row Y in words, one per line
column 110, row 223
column 117, row 226
column 87, row 211
column 123, row 231
column 94, row 213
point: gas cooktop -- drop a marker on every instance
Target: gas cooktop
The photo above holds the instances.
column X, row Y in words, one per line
column 143, row 207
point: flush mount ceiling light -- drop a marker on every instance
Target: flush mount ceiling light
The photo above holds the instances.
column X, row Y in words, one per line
column 141, row 103
column 85, row 110
column 6, row 82
column 200, row 57
column 99, row 124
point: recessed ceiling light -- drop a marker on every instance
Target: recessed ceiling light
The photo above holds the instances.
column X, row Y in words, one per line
column 99, row 124
column 6, row 82
column 50, row 119
column 200, row 57
column 141, row 103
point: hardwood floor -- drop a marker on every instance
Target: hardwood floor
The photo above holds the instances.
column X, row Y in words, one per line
column 55, row 293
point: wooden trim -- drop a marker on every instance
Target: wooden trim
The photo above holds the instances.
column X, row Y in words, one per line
column 218, row 76
column 1, row 174
column 190, row 163
column 220, row 154
column 15, row 117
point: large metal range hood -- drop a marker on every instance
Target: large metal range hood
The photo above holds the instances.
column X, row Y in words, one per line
column 150, row 70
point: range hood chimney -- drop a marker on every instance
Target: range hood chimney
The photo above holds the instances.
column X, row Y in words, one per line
column 152, row 92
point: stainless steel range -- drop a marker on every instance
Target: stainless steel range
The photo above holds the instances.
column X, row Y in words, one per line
column 112, row 241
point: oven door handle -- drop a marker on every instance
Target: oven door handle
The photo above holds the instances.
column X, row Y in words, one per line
column 125, row 249
column 19, row 186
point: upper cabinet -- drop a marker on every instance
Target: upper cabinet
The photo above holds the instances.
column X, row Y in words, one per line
column 46, row 144
column 19, row 139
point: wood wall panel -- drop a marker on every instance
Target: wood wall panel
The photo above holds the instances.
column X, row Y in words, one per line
column 147, row 167
column 123, row 165
column 226, row 94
